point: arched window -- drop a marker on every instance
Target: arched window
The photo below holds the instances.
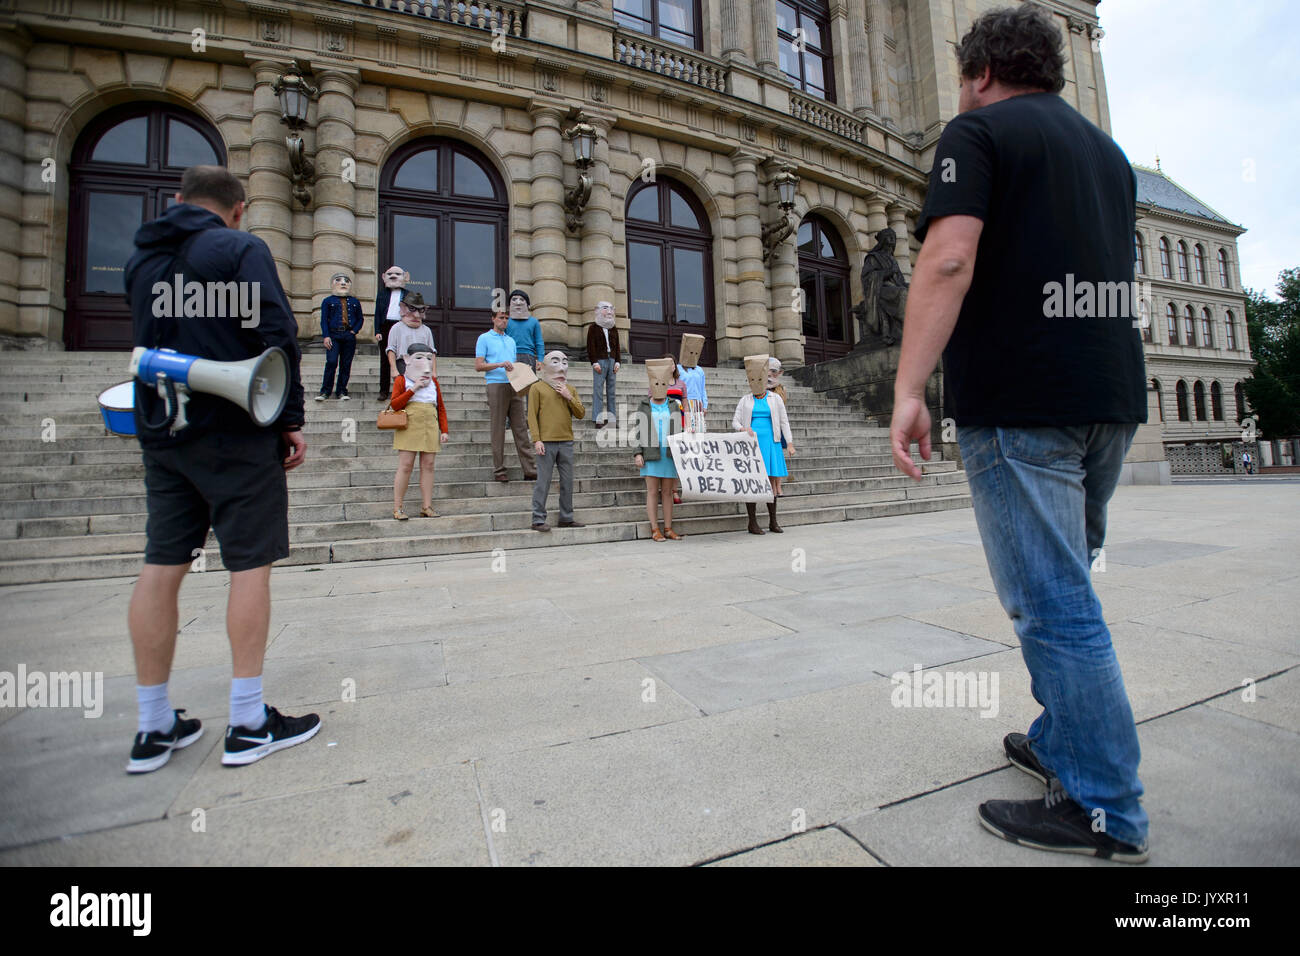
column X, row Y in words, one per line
column 1182, row 260
column 1189, row 326
column 1180, row 393
column 443, row 218
column 1139, row 257
column 1171, row 323
column 803, row 42
column 1231, row 327
column 1216, row 401
column 1200, row 263
column 1160, row 398
column 1198, row 395
column 1223, row 270
column 1239, row 396
column 1145, row 310
column 1165, row 269
column 824, row 282
column 126, row 168
column 1207, row 328
column 669, row 270
column 675, row 20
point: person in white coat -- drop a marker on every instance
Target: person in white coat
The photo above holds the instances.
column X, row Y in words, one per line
column 762, row 414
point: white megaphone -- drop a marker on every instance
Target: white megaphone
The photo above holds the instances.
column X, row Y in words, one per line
column 260, row 386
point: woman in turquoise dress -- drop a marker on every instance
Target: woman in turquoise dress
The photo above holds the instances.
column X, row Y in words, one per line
column 663, row 417
column 773, row 457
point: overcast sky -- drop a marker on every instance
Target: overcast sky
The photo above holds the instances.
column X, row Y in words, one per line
column 1214, row 88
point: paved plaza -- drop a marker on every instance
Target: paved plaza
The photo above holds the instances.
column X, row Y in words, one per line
column 718, row 700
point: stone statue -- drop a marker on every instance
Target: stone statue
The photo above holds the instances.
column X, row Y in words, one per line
column 884, row 295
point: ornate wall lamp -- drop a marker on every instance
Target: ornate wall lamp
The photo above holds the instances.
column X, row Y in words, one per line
column 786, row 182
column 295, row 95
column 583, row 137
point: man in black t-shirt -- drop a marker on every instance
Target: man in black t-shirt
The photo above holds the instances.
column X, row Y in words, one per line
column 1026, row 275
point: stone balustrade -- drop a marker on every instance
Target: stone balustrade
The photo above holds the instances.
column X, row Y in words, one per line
column 828, row 117
column 504, row 19
column 648, row 53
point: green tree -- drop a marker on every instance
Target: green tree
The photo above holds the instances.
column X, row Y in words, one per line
column 1273, row 325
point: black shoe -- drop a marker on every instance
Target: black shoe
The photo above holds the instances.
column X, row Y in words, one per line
column 322, row 396
column 1017, row 750
column 542, row 527
column 572, row 524
column 343, row 397
column 1055, row 822
column 151, row 750
column 248, row 745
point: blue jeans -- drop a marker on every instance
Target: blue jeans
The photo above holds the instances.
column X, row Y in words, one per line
column 603, row 389
column 345, row 346
column 1040, row 498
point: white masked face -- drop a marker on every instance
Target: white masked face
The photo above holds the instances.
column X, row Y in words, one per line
column 418, row 365
column 395, row 277
column 605, row 315
column 341, row 285
column 555, row 368
column 773, row 373
column 518, row 307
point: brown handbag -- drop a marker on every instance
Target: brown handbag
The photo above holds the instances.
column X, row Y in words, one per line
column 391, row 419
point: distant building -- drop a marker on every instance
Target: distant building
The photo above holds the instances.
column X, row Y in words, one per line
column 1196, row 347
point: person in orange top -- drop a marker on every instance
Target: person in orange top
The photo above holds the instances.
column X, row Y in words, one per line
column 417, row 391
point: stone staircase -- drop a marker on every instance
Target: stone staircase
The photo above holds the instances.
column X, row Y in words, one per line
column 72, row 503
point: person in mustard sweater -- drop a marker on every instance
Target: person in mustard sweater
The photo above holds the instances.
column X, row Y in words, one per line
column 552, row 406
column 417, row 391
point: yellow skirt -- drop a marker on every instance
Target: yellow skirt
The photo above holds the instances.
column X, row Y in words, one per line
column 421, row 431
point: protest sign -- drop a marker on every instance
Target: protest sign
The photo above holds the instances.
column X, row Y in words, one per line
column 723, row 466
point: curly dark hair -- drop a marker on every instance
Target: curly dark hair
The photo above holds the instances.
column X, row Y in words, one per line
column 1020, row 45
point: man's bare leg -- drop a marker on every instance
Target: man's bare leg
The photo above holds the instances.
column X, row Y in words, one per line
column 153, row 617
column 248, row 618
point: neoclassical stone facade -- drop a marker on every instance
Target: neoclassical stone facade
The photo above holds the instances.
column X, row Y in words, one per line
column 1186, row 257
column 502, row 82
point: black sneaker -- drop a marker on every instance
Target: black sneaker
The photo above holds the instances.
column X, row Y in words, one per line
column 247, row 745
column 151, row 750
column 1055, row 822
column 1017, row 750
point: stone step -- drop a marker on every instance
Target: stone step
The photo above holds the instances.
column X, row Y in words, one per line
column 121, row 565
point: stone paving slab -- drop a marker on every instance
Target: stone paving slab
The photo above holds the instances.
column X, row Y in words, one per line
column 828, row 847
column 1147, row 552
column 1276, row 701
column 850, row 607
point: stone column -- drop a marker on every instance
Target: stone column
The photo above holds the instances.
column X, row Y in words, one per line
column 269, row 215
column 861, row 88
column 902, row 249
column 754, row 304
column 597, row 230
column 876, row 219
column 549, row 295
column 334, row 220
column 737, row 26
column 13, row 117
column 876, row 48
column 765, row 36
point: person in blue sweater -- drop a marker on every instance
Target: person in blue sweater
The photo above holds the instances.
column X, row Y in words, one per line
column 341, row 319
column 524, row 328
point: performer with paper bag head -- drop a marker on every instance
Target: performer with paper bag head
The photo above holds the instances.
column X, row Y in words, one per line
column 604, row 355
column 388, row 313
column 416, row 390
column 692, row 376
column 553, row 403
column 341, row 319
column 762, row 414
column 656, row 418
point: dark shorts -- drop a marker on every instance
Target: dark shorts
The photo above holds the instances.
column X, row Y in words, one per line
column 232, row 482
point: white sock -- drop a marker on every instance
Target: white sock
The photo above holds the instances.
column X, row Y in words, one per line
column 154, row 708
column 246, row 709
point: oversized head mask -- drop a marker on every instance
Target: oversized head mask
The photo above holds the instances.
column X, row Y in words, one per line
column 756, row 374
column 519, row 304
column 419, row 363
column 341, row 284
column 692, row 346
column 605, row 315
column 555, row 369
column 396, row 277
column 773, row 371
column 661, row 374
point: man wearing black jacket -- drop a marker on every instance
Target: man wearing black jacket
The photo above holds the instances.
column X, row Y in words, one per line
column 221, row 470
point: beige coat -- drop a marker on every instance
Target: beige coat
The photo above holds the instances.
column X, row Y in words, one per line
column 780, row 422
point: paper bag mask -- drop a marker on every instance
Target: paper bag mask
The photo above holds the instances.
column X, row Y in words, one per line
column 691, row 347
column 756, row 374
column 661, row 374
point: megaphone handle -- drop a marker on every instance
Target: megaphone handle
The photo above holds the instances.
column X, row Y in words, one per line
column 180, row 397
column 167, row 392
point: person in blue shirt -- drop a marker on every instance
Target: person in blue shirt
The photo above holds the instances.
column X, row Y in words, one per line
column 341, row 319
column 495, row 353
column 524, row 328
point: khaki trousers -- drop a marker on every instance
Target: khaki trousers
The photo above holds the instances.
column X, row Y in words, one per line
column 503, row 400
